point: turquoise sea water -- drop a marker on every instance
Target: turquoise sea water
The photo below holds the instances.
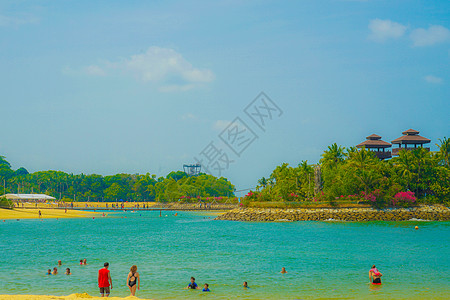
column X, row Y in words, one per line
column 324, row 260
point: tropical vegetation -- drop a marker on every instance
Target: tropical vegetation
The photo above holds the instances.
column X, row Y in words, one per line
column 350, row 174
column 127, row 187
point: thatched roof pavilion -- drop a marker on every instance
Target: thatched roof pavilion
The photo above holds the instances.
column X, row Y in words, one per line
column 410, row 137
column 374, row 143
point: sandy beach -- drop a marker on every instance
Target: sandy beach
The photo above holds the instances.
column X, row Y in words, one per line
column 19, row 213
column 70, row 297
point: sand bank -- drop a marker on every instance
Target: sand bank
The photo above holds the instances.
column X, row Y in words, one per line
column 19, row 213
column 70, row 297
column 89, row 205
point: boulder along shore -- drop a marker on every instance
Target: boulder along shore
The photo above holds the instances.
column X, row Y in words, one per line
column 431, row 213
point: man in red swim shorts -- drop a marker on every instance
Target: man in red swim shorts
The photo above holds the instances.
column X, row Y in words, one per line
column 104, row 280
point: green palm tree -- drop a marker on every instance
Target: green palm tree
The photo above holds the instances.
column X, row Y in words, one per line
column 444, row 150
column 404, row 165
column 333, row 156
column 420, row 159
column 262, row 182
column 364, row 162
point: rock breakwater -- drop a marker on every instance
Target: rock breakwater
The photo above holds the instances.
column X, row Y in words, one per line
column 431, row 213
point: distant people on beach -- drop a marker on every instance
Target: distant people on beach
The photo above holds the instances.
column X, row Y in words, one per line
column 375, row 275
column 68, row 272
column 245, row 285
column 192, row 285
column 55, row 271
column 133, row 280
column 104, row 280
column 40, row 214
column 49, row 272
column 283, row 270
column 206, row 288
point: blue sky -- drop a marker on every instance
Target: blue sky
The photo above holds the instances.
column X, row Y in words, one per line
column 145, row 86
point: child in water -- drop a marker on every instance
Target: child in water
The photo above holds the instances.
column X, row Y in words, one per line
column 192, row 285
column 68, row 272
column 55, row 271
column 206, row 288
column 49, row 272
column 245, row 285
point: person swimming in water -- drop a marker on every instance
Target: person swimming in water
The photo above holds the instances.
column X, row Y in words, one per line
column 133, row 279
column 283, row 270
column 55, row 271
column 192, row 285
column 245, row 285
column 206, row 288
column 85, row 261
column 375, row 275
column 68, row 272
column 49, row 272
column 59, row 263
column 81, row 262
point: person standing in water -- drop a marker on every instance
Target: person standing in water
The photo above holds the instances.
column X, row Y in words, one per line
column 375, row 275
column 133, row 280
column 283, row 270
column 104, row 280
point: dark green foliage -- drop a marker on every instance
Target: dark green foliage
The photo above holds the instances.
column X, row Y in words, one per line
column 5, row 203
column 94, row 187
column 359, row 176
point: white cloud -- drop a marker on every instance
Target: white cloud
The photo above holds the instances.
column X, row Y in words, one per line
column 433, row 79
column 188, row 116
column 164, row 67
column 95, row 71
column 382, row 30
column 16, row 21
column 221, row 124
column 160, row 64
column 433, row 35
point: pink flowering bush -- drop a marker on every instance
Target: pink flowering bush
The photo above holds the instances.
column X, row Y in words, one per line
column 292, row 197
column 404, row 199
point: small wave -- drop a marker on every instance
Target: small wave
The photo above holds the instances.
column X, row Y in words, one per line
column 420, row 220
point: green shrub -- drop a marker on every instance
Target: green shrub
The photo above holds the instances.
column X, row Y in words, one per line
column 5, row 203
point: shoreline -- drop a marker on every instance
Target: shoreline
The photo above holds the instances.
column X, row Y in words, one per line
column 48, row 213
column 69, row 297
column 425, row 213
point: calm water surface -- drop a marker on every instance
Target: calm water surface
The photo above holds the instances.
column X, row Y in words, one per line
column 324, row 260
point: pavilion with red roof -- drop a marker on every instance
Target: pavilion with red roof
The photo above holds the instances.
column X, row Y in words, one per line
column 410, row 137
column 374, row 143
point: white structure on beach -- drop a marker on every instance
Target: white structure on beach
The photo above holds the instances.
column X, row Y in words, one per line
column 28, row 197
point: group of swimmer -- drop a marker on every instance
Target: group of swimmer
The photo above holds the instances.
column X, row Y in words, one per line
column 55, row 269
column 134, row 281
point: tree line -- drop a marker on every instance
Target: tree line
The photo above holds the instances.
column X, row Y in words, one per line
column 352, row 174
column 126, row 187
